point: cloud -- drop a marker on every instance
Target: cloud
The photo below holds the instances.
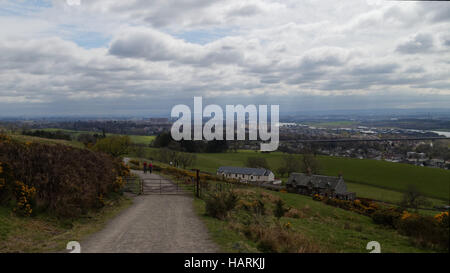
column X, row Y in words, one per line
column 156, row 46
column 145, row 56
column 420, row 43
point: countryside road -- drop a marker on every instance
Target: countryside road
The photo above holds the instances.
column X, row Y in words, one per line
column 153, row 224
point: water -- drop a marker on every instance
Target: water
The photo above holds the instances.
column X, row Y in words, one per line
column 446, row 134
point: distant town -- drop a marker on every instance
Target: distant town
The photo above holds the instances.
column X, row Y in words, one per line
column 378, row 139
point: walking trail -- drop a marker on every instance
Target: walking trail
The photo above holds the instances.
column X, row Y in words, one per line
column 154, row 223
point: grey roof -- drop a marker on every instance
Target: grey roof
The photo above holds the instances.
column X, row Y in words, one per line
column 242, row 170
column 318, row 181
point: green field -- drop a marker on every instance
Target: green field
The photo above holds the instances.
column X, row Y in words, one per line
column 137, row 139
column 24, row 138
column 332, row 229
column 374, row 179
column 45, row 233
column 380, row 174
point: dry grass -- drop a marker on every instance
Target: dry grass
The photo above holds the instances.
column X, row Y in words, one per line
column 277, row 239
column 45, row 234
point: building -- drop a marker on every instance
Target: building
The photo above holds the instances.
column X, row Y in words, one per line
column 254, row 175
column 328, row 186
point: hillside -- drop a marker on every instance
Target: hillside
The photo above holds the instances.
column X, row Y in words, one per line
column 137, row 139
column 393, row 176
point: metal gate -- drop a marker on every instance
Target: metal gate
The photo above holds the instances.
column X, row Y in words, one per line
column 160, row 186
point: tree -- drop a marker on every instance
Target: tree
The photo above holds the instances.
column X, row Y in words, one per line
column 87, row 139
column 291, row 163
column 114, row 145
column 162, row 140
column 310, row 165
column 281, row 171
column 257, row 162
column 216, row 146
column 186, row 159
column 412, row 198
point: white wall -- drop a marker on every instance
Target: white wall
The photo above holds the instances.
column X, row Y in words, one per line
column 252, row 178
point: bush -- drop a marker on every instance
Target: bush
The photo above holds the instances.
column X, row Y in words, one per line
column 5, row 180
column 425, row 230
column 219, row 204
column 134, row 162
column 279, row 210
column 443, row 219
column 68, row 181
column 47, row 134
column 114, row 145
column 386, row 217
column 294, row 213
column 25, row 199
column 278, row 239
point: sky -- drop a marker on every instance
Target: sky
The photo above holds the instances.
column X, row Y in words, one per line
column 136, row 57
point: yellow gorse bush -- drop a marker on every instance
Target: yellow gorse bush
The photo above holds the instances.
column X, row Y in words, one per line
column 119, row 184
column 406, row 215
column 287, row 225
column 24, row 196
column 2, row 183
column 442, row 217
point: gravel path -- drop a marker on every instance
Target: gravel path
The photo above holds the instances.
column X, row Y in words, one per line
column 154, row 223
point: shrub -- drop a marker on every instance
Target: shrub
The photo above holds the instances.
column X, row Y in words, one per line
column 279, row 209
column 279, row 239
column 134, row 162
column 443, row 219
column 47, row 134
column 25, row 199
column 220, row 203
column 119, row 184
column 386, row 217
column 294, row 213
column 317, row 197
column 114, row 145
column 425, row 230
column 259, row 207
column 67, row 180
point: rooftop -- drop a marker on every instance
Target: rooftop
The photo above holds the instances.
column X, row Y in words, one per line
column 243, row 170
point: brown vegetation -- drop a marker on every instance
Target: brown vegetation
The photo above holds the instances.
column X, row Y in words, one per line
column 68, row 181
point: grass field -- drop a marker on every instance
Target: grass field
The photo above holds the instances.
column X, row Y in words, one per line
column 380, row 174
column 23, row 138
column 368, row 178
column 44, row 233
column 331, row 229
column 137, row 139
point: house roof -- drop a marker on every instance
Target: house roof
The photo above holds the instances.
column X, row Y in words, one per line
column 242, row 170
column 318, row 181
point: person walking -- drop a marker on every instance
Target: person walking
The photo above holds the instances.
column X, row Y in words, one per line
column 145, row 167
column 150, row 167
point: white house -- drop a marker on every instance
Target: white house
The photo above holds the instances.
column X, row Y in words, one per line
column 246, row 174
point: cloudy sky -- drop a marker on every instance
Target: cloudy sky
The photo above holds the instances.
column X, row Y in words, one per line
column 136, row 57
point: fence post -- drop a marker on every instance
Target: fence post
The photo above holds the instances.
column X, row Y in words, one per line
column 198, row 183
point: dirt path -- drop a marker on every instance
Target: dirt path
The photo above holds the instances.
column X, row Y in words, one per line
column 154, row 223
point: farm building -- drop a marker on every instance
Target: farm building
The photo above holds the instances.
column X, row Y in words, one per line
column 246, row 174
column 328, row 186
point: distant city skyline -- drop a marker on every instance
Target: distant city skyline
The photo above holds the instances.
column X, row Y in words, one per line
column 140, row 58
